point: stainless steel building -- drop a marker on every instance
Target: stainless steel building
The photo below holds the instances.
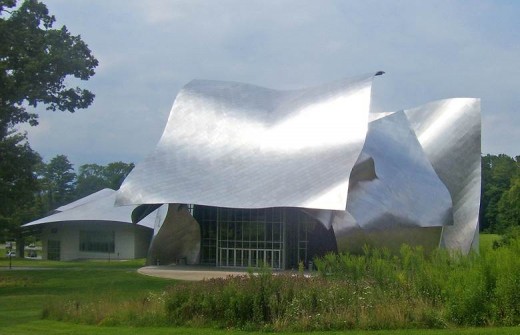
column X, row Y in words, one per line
column 253, row 175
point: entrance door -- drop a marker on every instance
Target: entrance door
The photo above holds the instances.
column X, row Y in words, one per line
column 53, row 250
column 242, row 237
column 240, row 257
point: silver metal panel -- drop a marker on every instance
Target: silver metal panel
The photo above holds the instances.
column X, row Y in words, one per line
column 176, row 236
column 91, row 197
column 401, row 194
column 406, row 189
column 449, row 132
column 242, row 146
column 95, row 207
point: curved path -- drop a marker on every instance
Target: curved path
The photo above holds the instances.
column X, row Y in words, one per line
column 193, row 273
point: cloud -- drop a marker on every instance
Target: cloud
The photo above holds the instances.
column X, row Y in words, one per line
column 149, row 49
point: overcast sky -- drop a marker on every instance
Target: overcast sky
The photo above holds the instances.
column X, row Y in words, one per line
column 148, row 50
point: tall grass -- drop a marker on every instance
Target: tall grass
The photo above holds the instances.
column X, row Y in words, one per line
column 295, row 303
column 473, row 290
column 375, row 290
column 145, row 309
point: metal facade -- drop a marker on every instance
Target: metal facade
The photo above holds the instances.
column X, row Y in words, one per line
column 411, row 176
column 242, row 146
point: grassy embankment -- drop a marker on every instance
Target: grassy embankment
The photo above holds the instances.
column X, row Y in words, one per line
column 91, row 285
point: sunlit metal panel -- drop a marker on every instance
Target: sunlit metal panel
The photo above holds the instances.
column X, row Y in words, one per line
column 406, row 189
column 236, row 145
column 395, row 195
column 450, row 133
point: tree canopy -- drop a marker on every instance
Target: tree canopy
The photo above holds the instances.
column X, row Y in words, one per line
column 57, row 182
column 94, row 177
column 500, row 197
column 509, row 206
column 18, row 183
column 35, row 59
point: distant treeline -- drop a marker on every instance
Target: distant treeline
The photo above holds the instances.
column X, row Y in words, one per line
column 500, row 197
column 59, row 184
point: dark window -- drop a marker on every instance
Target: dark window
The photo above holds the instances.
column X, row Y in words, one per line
column 97, row 241
column 53, row 250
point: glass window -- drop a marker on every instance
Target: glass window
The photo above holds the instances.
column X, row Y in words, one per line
column 97, row 241
column 241, row 237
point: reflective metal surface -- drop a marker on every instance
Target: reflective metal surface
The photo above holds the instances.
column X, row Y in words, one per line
column 406, row 189
column 242, row 146
column 396, row 194
column 413, row 177
column 176, row 237
column 449, row 132
column 89, row 198
column 98, row 206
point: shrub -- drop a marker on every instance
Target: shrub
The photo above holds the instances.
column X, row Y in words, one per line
column 467, row 297
column 506, row 261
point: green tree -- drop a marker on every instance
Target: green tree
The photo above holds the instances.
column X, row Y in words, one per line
column 58, row 182
column 116, row 172
column 89, row 180
column 94, row 177
column 497, row 174
column 18, row 184
column 509, row 207
column 35, row 59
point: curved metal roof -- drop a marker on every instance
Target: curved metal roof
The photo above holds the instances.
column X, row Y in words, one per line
column 96, row 207
column 237, row 145
column 89, row 198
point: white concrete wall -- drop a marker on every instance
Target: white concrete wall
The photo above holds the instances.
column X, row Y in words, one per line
column 126, row 236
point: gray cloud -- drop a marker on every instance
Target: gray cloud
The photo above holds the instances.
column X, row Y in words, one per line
column 149, row 49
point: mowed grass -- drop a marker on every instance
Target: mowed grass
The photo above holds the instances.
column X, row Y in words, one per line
column 32, row 284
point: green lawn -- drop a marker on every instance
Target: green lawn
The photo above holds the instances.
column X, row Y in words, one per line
column 26, row 289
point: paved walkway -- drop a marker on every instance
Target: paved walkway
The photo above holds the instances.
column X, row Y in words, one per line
column 183, row 272
column 196, row 272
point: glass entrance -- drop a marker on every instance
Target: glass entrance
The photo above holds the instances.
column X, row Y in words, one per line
column 250, row 237
column 241, row 237
column 238, row 257
column 275, row 237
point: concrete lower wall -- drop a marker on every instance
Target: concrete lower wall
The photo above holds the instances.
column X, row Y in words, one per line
column 131, row 241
